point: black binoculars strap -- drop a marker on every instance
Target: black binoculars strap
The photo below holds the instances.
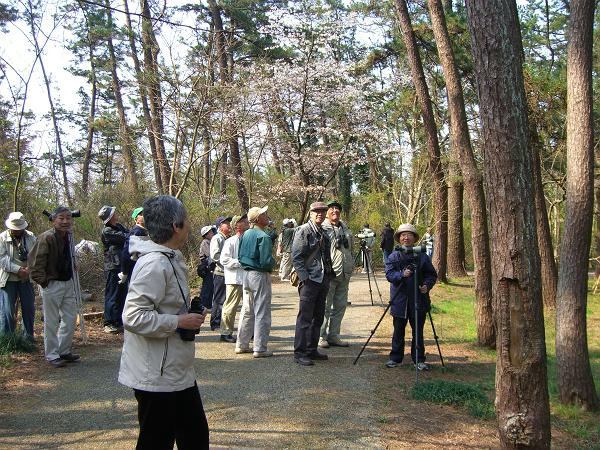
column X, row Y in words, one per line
column 177, row 279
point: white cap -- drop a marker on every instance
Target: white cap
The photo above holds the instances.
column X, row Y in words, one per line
column 205, row 229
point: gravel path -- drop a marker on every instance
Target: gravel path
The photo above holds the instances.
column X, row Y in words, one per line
column 250, row 403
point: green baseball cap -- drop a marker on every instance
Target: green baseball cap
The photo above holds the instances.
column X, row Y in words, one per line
column 136, row 212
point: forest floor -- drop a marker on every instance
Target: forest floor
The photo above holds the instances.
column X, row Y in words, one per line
column 274, row 403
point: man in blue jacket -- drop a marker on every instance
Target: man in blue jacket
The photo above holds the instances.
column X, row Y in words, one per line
column 400, row 270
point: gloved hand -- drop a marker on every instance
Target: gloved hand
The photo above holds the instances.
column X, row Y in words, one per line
column 122, row 277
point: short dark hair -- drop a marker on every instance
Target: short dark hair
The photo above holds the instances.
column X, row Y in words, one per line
column 160, row 214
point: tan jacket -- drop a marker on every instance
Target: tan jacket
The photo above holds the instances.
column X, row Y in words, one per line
column 8, row 260
column 154, row 357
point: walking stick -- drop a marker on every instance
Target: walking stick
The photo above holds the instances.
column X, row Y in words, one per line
column 77, row 289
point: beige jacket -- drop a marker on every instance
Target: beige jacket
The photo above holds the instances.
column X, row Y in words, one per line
column 154, row 356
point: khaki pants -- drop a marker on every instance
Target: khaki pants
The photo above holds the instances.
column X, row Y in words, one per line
column 60, row 312
column 285, row 266
column 335, row 307
column 233, row 296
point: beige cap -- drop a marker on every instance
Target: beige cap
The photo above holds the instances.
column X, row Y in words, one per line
column 406, row 227
column 16, row 221
column 254, row 212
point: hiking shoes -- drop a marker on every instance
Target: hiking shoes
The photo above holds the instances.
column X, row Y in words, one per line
column 304, row 360
column 337, row 342
column 390, row 364
column 56, row 363
column 240, row 350
column 228, row 338
column 316, row 356
column 265, row 354
column 111, row 329
column 70, row 357
column 323, row 343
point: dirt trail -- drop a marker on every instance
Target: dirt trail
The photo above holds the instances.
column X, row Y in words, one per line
column 251, row 403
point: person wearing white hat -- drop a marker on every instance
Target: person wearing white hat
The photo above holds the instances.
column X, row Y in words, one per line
column 15, row 243
column 113, row 239
column 255, row 254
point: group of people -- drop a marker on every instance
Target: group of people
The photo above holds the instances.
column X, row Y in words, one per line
column 147, row 296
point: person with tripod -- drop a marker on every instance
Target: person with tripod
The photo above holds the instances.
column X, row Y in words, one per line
column 399, row 270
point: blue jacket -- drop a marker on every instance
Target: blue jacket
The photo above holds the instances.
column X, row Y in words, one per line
column 402, row 289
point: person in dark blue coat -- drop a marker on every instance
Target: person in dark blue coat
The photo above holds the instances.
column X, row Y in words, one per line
column 399, row 271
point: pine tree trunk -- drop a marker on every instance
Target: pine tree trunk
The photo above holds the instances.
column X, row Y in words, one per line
column 125, row 134
column 151, row 77
column 461, row 142
column 574, row 375
column 144, row 98
column 522, row 405
column 87, row 157
column 440, row 190
column 456, row 237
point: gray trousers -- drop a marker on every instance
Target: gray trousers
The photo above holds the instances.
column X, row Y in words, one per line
column 285, row 266
column 255, row 317
column 60, row 312
column 335, row 307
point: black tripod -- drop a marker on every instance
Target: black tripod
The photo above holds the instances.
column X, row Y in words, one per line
column 415, row 269
column 366, row 257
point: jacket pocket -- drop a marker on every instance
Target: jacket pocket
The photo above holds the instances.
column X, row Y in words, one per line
column 164, row 358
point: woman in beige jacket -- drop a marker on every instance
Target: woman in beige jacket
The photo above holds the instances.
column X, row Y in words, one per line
column 156, row 362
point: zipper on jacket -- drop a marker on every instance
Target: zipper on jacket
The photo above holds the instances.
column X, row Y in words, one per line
column 162, row 364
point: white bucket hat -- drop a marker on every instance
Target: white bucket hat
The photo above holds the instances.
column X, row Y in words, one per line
column 406, row 227
column 16, row 221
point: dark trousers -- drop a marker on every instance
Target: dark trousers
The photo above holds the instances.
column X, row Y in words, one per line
column 24, row 291
column 114, row 298
column 310, row 316
column 217, row 301
column 169, row 417
column 206, row 292
column 417, row 346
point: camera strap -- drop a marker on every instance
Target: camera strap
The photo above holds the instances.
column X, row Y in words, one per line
column 169, row 256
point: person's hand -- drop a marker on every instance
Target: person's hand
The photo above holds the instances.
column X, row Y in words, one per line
column 407, row 273
column 190, row 321
column 122, row 277
column 423, row 289
column 23, row 273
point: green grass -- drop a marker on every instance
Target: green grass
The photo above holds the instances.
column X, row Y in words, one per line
column 465, row 395
column 453, row 313
column 11, row 343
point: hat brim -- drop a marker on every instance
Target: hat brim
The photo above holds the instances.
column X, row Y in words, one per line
column 331, row 204
column 397, row 234
column 110, row 216
column 12, row 226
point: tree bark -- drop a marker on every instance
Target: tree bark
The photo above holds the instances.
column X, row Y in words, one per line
column 461, row 142
column 151, row 78
column 125, row 134
column 522, row 405
column 87, row 157
column 574, row 375
column 139, row 75
column 549, row 270
column 435, row 164
column 225, row 67
column 456, row 237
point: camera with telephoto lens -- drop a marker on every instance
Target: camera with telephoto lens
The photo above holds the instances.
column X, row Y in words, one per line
column 411, row 250
column 50, row 216
column 197, row 308
column 341, row 241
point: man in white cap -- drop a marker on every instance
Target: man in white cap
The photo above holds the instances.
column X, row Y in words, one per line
column 51, row 266
column 113, row 238
column 256, row 257
column 15, row 244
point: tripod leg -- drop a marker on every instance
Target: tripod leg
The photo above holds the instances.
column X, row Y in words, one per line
column 436, row 338
column 372, row 333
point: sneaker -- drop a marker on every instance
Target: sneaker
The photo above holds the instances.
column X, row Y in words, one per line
column 422, row 366
column 58, row 362
column 390, row 364
column 110, row 329
column 240, row 350
column 316, row 356
column 323, row 343
column 70, row 357
column 228, row 338
column 337, row 342
column 264, row 354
